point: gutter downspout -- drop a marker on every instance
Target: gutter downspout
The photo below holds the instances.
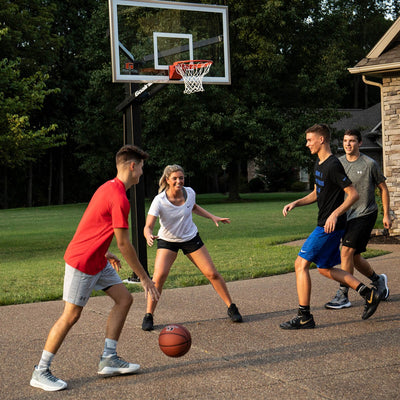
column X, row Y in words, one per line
column 380, row 86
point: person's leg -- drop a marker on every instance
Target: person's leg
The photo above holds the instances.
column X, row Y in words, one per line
column 202, row 260
column 340, row 276
column 355, row 241
column 117, row 316
column 304, row 319
column 110, row 363
column 164, row 260
column 303, row 280
column 60, row 329
column 371, row 295
column 42, row 377
column 347, row 259
column 363, row 266
column 377, row 280
column 162, row 265
column 341, row 298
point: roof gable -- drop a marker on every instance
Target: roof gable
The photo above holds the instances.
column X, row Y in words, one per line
column 385, row 55
column 391, row 35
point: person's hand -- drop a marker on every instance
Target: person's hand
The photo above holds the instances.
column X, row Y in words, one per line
column 219, row 219
column 387, row 222
column 150, row 289
column 150, row 239
column 114, row 261
column 330, row 223
column 287, row 208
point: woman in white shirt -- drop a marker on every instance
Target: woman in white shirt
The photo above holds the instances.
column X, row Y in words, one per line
column 174, row 206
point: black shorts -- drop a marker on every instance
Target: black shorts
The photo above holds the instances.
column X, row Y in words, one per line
column 187, row 247
column 358, row 231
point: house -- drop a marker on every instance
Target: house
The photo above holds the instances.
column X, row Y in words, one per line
column 381, row 68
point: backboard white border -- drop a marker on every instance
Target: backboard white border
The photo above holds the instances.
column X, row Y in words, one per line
column 115, row 44
column 156, row 35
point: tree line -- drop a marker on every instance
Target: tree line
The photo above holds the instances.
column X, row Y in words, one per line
column 59, row 127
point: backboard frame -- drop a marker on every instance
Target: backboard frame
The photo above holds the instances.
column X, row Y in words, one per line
column 116, row 46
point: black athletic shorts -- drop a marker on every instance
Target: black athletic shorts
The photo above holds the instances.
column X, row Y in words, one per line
column 358, row 231
column 187, row 247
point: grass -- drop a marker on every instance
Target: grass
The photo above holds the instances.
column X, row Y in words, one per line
column 33, row 242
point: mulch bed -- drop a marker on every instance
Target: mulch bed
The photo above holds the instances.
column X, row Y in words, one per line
column 381, row 239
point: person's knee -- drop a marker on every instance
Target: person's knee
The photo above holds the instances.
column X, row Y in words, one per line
column 213, row 276
column 347, row 252
column 324, row 271
column 159, row 280
column 300, row 265
column 71, row 317
column 126, row 300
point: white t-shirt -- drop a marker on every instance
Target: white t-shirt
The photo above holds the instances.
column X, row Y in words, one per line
column 176, row 222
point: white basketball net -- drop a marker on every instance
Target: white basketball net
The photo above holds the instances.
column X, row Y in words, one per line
column 192, row 73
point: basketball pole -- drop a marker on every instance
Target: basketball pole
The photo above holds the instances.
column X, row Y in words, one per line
column 132, row 134
column 132, row 131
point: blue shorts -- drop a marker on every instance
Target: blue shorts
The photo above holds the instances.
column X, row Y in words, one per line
column 322, row 248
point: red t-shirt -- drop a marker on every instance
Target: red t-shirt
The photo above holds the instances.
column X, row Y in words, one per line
column 108, row 209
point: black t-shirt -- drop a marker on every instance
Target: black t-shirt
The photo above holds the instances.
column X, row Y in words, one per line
column 330, row 180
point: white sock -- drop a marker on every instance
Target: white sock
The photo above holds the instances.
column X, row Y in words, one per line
column 110, row 347
column 46, row 360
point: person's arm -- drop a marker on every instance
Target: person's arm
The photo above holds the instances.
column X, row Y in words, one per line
column 387, row 221
column 204, row 213
column 304, row 201
column 129, row 253
column 148, row 229
column 351, row 197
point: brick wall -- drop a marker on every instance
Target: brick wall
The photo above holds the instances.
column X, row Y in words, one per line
column 391, row 144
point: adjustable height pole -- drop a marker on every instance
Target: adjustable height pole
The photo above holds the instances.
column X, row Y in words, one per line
column 133, row 135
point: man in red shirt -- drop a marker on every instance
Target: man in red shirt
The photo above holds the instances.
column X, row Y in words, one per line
column 90, row 266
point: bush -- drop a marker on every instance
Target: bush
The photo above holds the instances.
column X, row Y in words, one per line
column 256, row 185
column 298, row 186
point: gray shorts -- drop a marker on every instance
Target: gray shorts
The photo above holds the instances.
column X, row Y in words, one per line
column 78, row 286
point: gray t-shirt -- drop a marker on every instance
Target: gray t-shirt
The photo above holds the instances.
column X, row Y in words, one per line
column 365, row 175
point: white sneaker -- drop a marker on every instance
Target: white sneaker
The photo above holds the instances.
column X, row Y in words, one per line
column 381, row 285
column 339, row 301
column 44, row 379
column 115, row 365
column 131, row 280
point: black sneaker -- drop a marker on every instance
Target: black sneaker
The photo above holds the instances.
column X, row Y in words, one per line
column 147, row 324
column 371, row 303
column 299, row 322
column 234, row 313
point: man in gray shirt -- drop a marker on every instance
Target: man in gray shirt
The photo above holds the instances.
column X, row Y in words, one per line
column 365, row 174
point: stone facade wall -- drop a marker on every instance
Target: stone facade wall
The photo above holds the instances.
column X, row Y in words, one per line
column 391, row 145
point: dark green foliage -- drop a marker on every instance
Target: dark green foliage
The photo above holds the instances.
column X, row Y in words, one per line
column 289, row 61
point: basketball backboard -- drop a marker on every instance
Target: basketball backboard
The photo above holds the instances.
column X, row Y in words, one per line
column 148, row 35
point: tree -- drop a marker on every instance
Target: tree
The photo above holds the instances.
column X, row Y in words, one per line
column 26, row 42
column 20, row 97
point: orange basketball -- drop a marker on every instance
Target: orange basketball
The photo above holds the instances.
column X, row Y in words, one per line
column 174, row 340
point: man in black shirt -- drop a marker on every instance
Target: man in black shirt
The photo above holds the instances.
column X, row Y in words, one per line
column 322, row 246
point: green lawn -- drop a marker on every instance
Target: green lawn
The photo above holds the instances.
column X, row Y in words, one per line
column 33, row 241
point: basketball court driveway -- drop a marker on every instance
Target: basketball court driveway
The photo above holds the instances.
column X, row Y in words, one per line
column 344, row 357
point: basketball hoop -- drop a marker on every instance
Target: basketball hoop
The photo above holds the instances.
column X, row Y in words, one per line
column 192, row 72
